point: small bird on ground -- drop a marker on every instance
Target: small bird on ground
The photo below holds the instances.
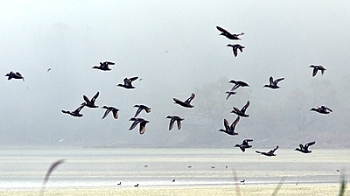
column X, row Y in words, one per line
column 90, row 103
column 238, row 84
column 230, row 130
column 75, row 113
column 228, row 34
column 269, row 153
column 128, row 83
column 236, row 47
column 316, row 68
column 305, row 148
column 242, row 111
column 187, row 103
column 13, row 75
column 322, row 110
column 273, row 83
column 108, row 110
column 140, row 108
column 104, row 66
column 142, row 122
column 245, row 144
column 172, row 121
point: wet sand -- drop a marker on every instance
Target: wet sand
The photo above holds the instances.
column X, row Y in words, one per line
column 229, row 190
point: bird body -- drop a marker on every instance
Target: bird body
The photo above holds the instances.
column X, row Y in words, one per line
column 13, row 75
column 140, row 108
column 230, row 129
column 142, row 122
column 305, row 148
column 228, row 34
column 108, row 110
column 273, row 83
column 128, row 83
column 316, row 68
column 245, row 144
column 242, row 111
column 238, row 84
column 322, row 110
column 269, row 153
column 172, row 121
column 90, row 103
column 187, row 103
column 104, row 66
column 236, row 47
column 75, row 113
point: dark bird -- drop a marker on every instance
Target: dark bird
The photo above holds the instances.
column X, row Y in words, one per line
column 187, row 103
column 229, row 93
column 140, row 108
column 322, row 110
column 305, row 148
column 48, row 69
column 108, row 110
column 238, row 84
column 269, row 153
column 104, row 66
column 245, row 144
column 189, row 166
column 242, row 181
column 242, row 111
column 127, row 83
column 136, row 185
column 230, row 129
column 75, row 113
column 228, row 34
column 173, row 180
column 235, row 47
column 273, row 83
column 316, row 68
column 90, row 103
column 172, row 121
column 120, row 183
column 142, row 122
column 14, row 75
column 48, row 173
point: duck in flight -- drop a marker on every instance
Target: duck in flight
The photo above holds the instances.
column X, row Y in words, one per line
column 273, row 83
column 236, row 47
column 13, row 75
column 230, row 130
column 110, row 109
column 187, row 103
column 104, row 66
column 269, row 153
column 305, row 148
column 228, row 34
column 172, row 121
column 90, row 103
column 322, row 110
column 140, row 108
column 238, row 84
column 128, row 83
column 245, row 144
column 242, row 111
column 142, row 122
column 75, row 113
column 316, row 68
column 229, row 93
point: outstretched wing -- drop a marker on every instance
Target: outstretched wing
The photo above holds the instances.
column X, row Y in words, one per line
column 226, row 124
column 273, row 151
column 190, row 98
column 178, row 124
column 134, row 124
column 143, row 127
column 233, row 125
column 310, row 144
column 278, row 80
column 222, row 30
column 245, row 107
column 106, row 113
column 79, row 108
column 133, row 78
column 271, row 80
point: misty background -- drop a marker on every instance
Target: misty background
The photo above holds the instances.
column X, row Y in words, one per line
column 175, row 48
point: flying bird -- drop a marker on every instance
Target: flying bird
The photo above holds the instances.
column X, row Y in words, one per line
column 110, row 109
column 229, row 93
column 140, row 108
column 236, row 47
column 187, row 103
column 142, row 122
column 90, row 103
column 13, row 75
column 245, row 144
column 269, row 153
column 316, row 68
column 305, row 148
column 230, row 129
column 242, row 111
column 322, row 110
column 228, row 34
column 104, row 66
column 49, row 69
column 238, row 84
column 128, row 83
column 75, row 113
column 172, row 121
column 273, row 83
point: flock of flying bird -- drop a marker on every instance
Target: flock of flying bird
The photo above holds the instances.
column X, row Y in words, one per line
column 229, row 129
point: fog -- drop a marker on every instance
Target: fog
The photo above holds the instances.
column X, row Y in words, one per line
column 175, row 48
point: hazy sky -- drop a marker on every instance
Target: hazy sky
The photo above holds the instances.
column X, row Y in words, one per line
column 173, row 46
